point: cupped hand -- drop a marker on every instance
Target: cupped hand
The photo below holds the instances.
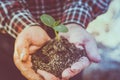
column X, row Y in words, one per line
column 83, row 40
column 27, row 42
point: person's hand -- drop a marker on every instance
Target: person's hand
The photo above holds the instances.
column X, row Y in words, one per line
column 83, row 40
column 27, row 42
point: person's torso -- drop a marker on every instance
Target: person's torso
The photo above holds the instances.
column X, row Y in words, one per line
column 51, row 7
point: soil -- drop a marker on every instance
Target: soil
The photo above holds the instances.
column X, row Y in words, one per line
column 55, row 56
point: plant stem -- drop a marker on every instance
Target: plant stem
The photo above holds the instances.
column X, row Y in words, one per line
column 56, row 34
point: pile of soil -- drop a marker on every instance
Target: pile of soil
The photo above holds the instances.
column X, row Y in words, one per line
column 56, row 55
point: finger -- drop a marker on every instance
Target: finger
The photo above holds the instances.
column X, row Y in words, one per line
column 79, row 45
column 76, row 68
column 33, row 49
column 24, row 54
column 67, row 73
column 22, row 48
column 25, row 68
column 46, row 75
column 92, row 51
column 80, row 65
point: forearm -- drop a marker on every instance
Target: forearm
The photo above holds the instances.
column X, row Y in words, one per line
column 82, row 12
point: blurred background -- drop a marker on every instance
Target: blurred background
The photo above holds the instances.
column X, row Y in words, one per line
column 106, row 30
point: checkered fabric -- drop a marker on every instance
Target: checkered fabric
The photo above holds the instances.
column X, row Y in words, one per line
column 15, row 15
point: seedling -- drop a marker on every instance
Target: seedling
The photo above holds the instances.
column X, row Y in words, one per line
column 57, row 55
column 55, row 25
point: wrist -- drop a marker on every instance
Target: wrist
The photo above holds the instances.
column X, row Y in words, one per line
column 74, row 26
column 31, row 28
column 32, row 31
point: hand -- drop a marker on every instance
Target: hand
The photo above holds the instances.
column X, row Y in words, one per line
column 27, row 42
column 83, row 40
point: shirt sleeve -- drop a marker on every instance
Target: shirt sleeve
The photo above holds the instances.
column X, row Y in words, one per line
column 83, row 11
column 14, row 17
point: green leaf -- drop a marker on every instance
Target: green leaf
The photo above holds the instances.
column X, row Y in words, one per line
column 61, row 28
column 56, row 23
column 47, row 20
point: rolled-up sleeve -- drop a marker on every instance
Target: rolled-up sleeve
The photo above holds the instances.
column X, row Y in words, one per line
column 14, row 16
column 83, row 11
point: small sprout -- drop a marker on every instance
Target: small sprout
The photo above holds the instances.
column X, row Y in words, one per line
column 47, row 20
column 60, row 28
column 55, row 25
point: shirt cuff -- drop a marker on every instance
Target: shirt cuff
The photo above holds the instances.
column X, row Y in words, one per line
column 21, row 19
column 78, row 14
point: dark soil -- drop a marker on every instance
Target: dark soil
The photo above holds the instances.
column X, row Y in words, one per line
column 56, row 56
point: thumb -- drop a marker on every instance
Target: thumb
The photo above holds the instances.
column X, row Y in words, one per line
column 24, row 54
column 22, row 48
column 92, row 51
column 76, row 68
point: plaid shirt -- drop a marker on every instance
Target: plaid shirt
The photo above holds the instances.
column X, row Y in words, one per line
column 15, row 15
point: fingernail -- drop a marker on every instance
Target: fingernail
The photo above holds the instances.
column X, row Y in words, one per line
column 22, row 56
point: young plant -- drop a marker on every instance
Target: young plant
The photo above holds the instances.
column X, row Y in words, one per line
column 55, row 25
